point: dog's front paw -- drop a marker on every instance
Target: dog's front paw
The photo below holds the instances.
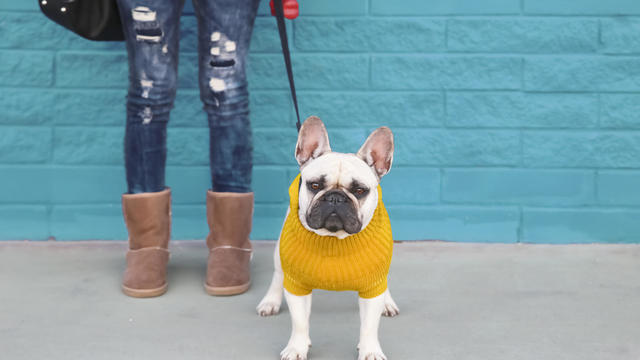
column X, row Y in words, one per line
column 295, row 350
column 370, row 352
column 268, row 307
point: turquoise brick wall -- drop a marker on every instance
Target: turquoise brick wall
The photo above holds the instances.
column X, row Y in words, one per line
column 515, row 120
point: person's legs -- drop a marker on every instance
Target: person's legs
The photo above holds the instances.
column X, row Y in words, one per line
column 224, row 34
column 152, row 29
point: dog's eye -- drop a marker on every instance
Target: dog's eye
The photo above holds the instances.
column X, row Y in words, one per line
column 315, row 186
column 359, row 191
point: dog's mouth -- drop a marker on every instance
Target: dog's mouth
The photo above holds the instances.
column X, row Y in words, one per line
column 333, row 220
column 333, row 223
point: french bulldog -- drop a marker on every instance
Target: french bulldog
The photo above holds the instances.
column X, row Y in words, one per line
column 337, row 197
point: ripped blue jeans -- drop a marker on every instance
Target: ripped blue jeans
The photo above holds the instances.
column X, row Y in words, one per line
column 152, row 31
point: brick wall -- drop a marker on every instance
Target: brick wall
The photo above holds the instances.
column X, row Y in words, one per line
column 515, row 120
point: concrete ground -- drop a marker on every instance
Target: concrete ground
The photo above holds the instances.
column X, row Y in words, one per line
column 457, row 302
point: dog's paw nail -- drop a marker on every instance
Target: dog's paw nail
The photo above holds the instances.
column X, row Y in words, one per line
column 290, row 353
column 373, row 356
column 390, row 310
column 268, row 309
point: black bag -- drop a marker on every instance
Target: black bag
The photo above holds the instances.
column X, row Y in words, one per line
column 92, row 19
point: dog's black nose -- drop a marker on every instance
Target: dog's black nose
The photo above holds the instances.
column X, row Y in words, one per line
column 334, row 197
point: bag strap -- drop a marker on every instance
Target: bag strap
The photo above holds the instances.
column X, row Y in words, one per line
column 287, row 57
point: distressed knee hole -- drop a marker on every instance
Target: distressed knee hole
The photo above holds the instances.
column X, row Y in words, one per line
column 217, row 84
column 146, row 26
column 222, row 50
column 222, row 62
column 146, row 115
column 146, row 85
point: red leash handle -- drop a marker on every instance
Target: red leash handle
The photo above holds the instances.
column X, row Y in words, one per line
column 291, row 9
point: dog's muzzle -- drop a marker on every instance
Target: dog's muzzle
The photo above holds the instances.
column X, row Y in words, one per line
column 334, row 211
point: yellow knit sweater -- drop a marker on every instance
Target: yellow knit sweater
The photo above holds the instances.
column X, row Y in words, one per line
column 358, row 262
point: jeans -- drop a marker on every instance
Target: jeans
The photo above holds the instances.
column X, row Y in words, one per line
column 152, row 31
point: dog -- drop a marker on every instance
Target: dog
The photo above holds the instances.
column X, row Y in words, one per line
column 335, row 198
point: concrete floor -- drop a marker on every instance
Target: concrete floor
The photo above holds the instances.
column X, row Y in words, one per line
column 457, row 302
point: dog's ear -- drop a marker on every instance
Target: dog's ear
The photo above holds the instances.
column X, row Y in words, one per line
column 313, row 140
column 377, row 151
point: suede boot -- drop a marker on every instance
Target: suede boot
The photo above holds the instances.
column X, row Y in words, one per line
column 148, row 220
column 229, row 216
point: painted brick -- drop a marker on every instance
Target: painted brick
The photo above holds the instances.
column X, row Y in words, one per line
column 585, row 149
column 188, row 71
column 270, row 184
column 271, row 109
column 411, row 186
column 394, row 109
column 86, row 70
column 456, row 147
column 187, row 111
column 19, row 5
column 620, row 35
column 336, row 72
column 267, row 221
column 40, row 106
column 35, row 31
column 87, row 184
column 342, row 77
column 583, row 7
column 455, row 223
column 333, row 7
column 189, row 184
column 265, row 36
column 187, row 146
column 418, row 7
column 274, row 146
column 450, row 72
column 88, row 145
column 364, row 34
column 579, row 73
column 523, row 35
column 89, row 107
column 264, row 9
column 580, row 225
column 23, row 222
column 26, row 107
column 69, row 222
column 619, row 187
column 188, row 33
column 517, row 186
column 24, row 185
column 24, row 145
column 620, row 111
column 528, row 110
column 344, row 140
column 189, row 222
column 26, row 68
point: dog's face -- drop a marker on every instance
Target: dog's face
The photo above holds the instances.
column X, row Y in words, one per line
column 338, row 192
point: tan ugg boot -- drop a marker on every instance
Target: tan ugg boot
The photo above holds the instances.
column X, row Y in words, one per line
column 229, row 216
column 148, row 220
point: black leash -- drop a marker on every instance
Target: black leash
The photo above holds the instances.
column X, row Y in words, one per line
column 287, row 57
